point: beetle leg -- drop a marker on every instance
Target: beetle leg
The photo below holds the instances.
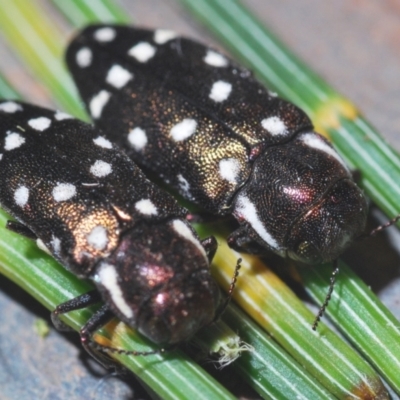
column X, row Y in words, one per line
column 100, row 318
column 210, row 245
column 21, row 229
column 240, row 241
column 82, row 301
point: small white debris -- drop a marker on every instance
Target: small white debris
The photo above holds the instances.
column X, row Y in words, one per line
column 21, row 196
column 98, row 102
column 13, row 141
column 142, row 51
column 63, row 192
column 84, row 57
column 183, row 130
column 10, row 107
column 118, row 76
column 146, row 207
column 90, row 184
column 274, row 125
column 137, row 138
column 103, row 142
column 215, row 59
column 228, row 350
column 106, row 34
column 162, row 36
column 40, row 124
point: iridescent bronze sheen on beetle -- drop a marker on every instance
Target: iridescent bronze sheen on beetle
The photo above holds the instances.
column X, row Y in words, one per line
column 91, row 207
column 206, row 126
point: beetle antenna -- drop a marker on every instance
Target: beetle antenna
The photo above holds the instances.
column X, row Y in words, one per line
column 384, row 226
column 230, row 291
column 328, row 295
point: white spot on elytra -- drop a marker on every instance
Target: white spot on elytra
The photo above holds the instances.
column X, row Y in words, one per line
column 142, row 51
column 42, row 246
column 55, row 244
column 162, row 36
column 184, row 187
column 63, row 191
column 246, row 209
column 215, row 59
column 220, row 91
column 118, row 76
column 21, row 196
column 137, row 138
column 13, row 141
column 98, row 102
column 1, row 156
column 183, row 130
column 314, row 140
column 84, row 57
column 60, row 116
column 146, row 207
column 229, row 169
column 98, row 237
column 184, row 231
column 10, row 107
column 274, row 125
column 103, row 142
column 40, row 124
column 107, row 276
column 101, row 169
column 106, row 34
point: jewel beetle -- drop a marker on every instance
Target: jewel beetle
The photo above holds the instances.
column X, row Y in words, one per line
column 92, row 209
column 209, row 129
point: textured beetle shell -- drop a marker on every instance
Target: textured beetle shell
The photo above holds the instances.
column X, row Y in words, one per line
column 93, row 209
column 216, row 137
column 209, row 129
column 70, row 186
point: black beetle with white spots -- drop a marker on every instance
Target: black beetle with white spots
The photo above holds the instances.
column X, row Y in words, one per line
column 209, row 129
column 87, row 204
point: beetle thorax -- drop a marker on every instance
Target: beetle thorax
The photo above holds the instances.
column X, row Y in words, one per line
column 294, row 198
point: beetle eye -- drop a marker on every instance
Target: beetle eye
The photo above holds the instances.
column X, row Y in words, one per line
column 303, row 247
column 307, row 251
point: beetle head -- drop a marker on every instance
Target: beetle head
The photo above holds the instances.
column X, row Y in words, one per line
column 324, row 231
column 300, row 201
column 158, row 281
